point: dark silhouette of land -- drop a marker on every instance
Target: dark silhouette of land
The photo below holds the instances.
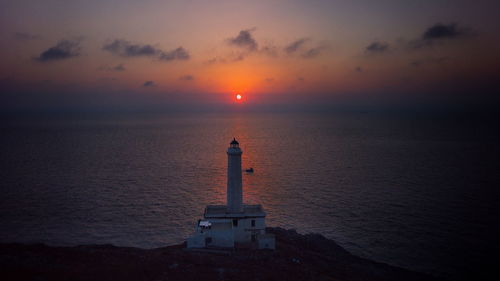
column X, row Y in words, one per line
column 297, row 257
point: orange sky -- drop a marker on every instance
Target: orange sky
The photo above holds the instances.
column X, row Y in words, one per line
column 289, row 51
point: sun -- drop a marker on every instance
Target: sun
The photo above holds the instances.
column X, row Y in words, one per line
column 238, row 97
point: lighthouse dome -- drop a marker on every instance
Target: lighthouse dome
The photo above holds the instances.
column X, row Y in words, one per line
column 234, row 144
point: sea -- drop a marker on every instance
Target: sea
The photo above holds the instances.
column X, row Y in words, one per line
column 415, row 190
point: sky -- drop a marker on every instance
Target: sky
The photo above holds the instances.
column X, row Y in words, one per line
column 150, row 54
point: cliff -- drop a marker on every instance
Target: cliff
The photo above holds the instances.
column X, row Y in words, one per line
column 297, row 257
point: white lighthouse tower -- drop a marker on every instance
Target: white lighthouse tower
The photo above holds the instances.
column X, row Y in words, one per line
column 235, row 224
column 234, row 182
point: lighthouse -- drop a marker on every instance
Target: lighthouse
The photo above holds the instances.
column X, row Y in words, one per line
column 235, row 224
column 234, row 182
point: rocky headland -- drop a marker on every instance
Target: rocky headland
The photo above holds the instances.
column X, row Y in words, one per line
column 297, row 257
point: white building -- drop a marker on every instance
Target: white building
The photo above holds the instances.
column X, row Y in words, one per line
column 234, row 224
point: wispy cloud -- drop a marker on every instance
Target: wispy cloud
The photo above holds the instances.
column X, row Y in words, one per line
column 271, row 51
column 125, row 48
column 300, row 46
column 377, row 47
column 433, row 35
column 65, row 49
column 187, row 77
column 117, row 68
column 248, row 46
column 149, row 84
column 215, row 60
column 244, row 40
column 295, row 45
column 177, row 54
column 314, row 52
column 440, row 32
column 229, row 58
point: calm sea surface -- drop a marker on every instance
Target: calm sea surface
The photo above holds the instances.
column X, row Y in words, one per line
column 411, row 191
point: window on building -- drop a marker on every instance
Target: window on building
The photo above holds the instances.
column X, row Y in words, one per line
column 235, row 222
column 253, row 223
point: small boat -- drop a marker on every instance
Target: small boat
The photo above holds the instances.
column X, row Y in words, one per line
column 249, row 170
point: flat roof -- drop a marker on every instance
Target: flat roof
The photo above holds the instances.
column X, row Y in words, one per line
column 220, row 211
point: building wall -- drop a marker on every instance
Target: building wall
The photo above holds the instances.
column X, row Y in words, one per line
column 221, row 239
column 240, row 233
column 243, row 231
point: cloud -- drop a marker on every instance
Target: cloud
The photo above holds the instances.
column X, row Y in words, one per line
column 271, row 51
column 229, row 58
column 237, row 57
column 249, row 47
column 269, row 80
column 377, row 48
column 187, row 77
column 315, row 51
column 244, row 40
column 125, row 48
column 117, row 68
column 65, row 49
column 215, row 60
column 177, row 54
column 298, row 45
column 439, row 32
column 24, row 36
column 295, row 45
column 149, row 84
column 311, row 53
column 442, row 31
column 107, row 80
column 358, row 69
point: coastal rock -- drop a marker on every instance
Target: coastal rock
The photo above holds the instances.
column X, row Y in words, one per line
column 297, row 257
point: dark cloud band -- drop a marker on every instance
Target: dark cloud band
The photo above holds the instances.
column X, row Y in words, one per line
column 177, row 54
column 439, row 32
column 125, row 48
column 442, row 31
column 65, row 49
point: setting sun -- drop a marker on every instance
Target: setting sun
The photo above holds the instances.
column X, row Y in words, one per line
column 238, row 97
